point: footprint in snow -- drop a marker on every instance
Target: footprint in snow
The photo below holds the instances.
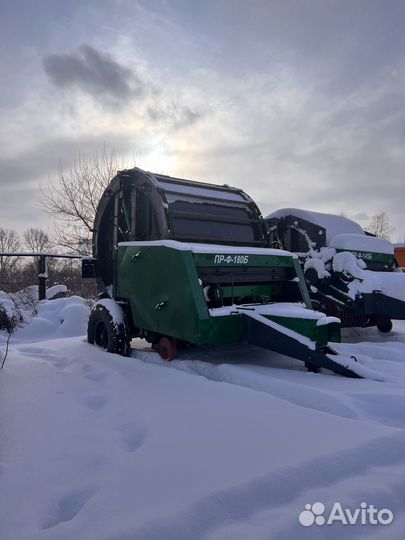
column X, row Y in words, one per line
column 94, row 374
column 98, row 376
column 45, row 356
column 96, row 403
column 66, row 508
column 132, row 437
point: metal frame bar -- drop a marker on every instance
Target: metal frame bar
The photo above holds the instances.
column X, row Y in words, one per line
column 42, row 266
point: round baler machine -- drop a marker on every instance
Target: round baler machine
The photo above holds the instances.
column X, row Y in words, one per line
column 183, row 263
column 351, row 274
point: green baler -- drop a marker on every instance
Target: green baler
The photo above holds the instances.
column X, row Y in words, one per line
column 351, row 275
column 182, row 263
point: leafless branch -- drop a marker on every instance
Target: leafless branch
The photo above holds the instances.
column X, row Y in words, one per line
column 73, row 196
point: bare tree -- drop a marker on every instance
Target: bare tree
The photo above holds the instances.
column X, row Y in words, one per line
column 74, row 195
column 380, row 226
column 9, row 243
column 36, row 240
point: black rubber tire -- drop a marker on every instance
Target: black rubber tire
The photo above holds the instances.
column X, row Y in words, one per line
column 215, row 295
column 384, row 326
column 105, row 333
column 311, row 277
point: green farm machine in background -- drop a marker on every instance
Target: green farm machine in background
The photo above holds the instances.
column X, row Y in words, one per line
column 182, row 263
column 351, row 275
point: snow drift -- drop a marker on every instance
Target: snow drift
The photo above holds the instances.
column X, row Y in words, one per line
column 225, row 443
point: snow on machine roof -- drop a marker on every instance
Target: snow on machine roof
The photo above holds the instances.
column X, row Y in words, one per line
column 332, row 223
column 357, row 242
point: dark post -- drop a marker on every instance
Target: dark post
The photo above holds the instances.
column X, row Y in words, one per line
column 42, row 277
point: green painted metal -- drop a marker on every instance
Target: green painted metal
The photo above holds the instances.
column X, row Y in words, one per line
column 333, row 331
column 227, row 260
column 259, row 292
column 162, row 287
column 166, row 296
column 305, row 327
column 371, row 257
column 308, row 327
column 221, row 330
column 302, row 283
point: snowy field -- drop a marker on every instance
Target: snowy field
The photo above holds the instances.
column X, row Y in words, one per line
column 219, row 444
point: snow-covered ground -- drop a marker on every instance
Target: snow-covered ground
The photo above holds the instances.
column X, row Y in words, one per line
column 225, row 443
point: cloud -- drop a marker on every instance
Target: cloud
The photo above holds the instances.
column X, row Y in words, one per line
column 287, row 143
column 94, row 73
column 360, row 216
column 246, row 103
column 174, row 115
column 101, row 77
column 22, row 175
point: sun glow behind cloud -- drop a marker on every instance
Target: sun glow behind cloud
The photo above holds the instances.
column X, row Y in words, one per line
column 157, row 160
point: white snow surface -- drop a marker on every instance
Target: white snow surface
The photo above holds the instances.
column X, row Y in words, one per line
column 281, row 309
column 349, row 263
column 361, row 242
column 62, row 317
column 333, row 224
column 326, row 320
column 113, row 308
column 199, row 191
column 209, row 248
column 389, row 283
column 221, row 443
column 318, row 265
column 21, row 305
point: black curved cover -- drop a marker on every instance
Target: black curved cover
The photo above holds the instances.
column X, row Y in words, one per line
column 141, row 206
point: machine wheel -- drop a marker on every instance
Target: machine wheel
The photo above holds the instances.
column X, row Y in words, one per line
column 166, row 347
column 103, row 331
column 311, row 277
column 318, row 306
column 214, row 295
column 384, row 326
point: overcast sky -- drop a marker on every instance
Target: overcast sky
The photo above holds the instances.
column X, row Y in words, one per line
column 299, row 102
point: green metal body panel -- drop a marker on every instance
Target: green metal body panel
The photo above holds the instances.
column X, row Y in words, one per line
column 165, row 295
column 302, row 283
column 371, row 257
column 221, row 330
column 307, row 327
column 227, row 260
column 257, row 292
column 161, row 285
